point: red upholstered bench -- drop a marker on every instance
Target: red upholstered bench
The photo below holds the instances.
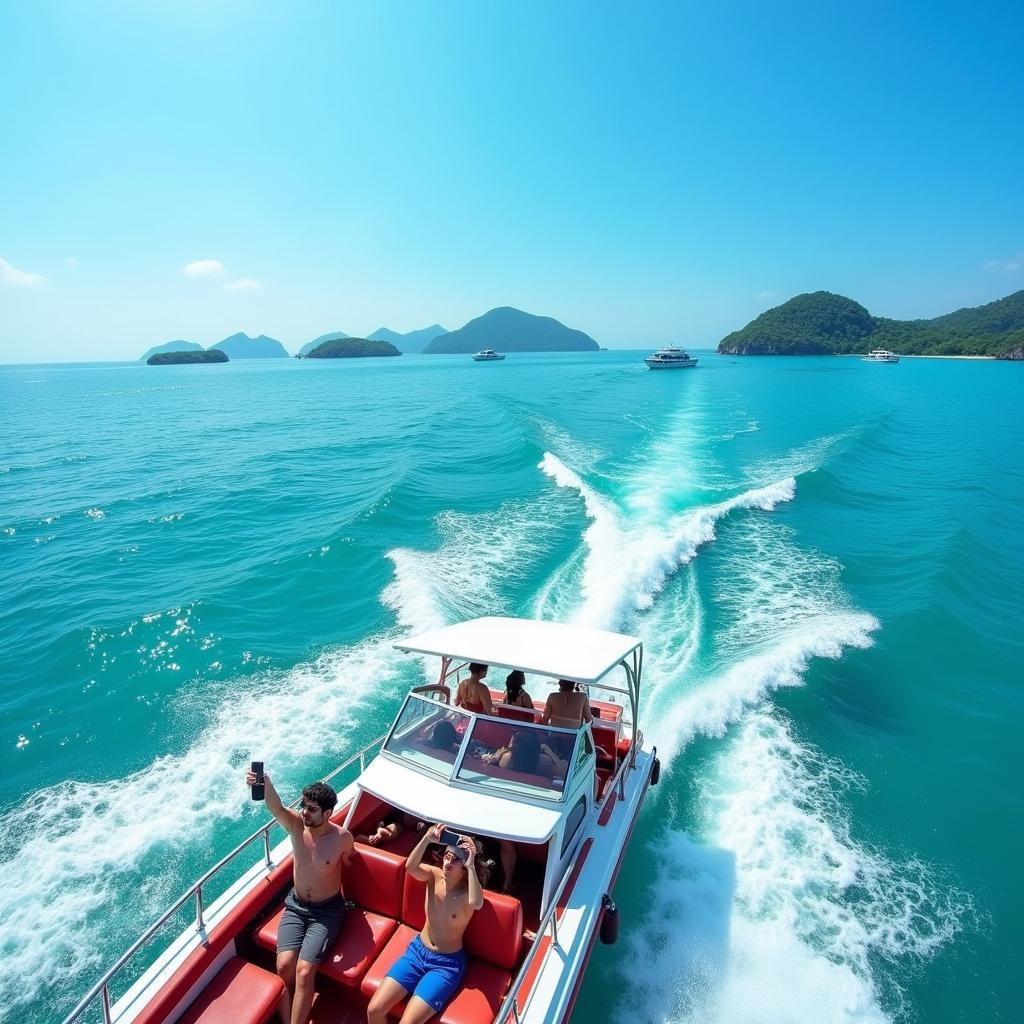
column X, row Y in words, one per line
column 493, row 942
column 373, row 881
column 240, row 993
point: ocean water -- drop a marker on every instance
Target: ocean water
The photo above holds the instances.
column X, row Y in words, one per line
column 202, row 565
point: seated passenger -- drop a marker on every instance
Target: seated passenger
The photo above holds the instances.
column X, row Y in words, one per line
column 514, row 692
column 472, row 694
column 526, row 753
column 389, row 828
column 444, row 737
column 568, row 708
column 431, row 970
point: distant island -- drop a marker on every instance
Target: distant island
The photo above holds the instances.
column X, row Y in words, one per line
column 822, row 323
column 352, row 348
column 511, row 330
column 241, row 346
column 412, row 341
column 310, row 345
column 180, row 358
column 170, row 346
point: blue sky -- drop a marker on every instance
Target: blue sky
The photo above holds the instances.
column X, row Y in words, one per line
column 643, row 172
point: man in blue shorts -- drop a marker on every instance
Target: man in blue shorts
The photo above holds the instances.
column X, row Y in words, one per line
column 434, row 963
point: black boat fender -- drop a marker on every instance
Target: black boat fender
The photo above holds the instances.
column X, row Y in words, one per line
column 656, row 769
column 609, row 920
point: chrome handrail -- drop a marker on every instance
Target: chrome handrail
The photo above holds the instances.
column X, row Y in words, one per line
column 510, row 1004
column 195, row 892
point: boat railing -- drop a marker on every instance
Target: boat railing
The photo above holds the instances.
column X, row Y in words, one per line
column 194, row 893
column 510, row 1007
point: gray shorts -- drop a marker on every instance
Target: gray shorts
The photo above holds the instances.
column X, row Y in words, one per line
column 309, row 927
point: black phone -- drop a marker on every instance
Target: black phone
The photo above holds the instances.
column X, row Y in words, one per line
column 259, row 791
column 449, row 838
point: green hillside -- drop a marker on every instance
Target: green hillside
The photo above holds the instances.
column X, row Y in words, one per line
column 511, row 330
column 352, row 348
column 822, row 323
column 182, row 358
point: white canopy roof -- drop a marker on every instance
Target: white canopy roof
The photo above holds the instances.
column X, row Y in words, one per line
column 466, row 809
column 546, row 648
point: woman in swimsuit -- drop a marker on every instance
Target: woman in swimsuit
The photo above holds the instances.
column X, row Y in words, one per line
column 568, row 708
column 514, row 692
column 472, row 694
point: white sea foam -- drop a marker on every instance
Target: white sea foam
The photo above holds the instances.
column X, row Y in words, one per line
column 628, row 561
column 714, row 704
column 95, row 513
column 75, row 848
column 459, row 580
column 777, row 913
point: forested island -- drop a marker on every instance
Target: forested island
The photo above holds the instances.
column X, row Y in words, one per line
column 511, row 330
column 351, row 348
column 212, row 355
column 822, row 323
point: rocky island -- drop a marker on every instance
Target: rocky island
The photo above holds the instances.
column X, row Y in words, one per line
column 182, row 358
column 351, row 348
column 822, row 323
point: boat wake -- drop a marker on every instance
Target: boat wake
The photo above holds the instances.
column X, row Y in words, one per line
column 77, row 848
column 772, row 911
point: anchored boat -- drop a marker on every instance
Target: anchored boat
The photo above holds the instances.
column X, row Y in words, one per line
column 488, row 355
column 881, row 355
column 670, row 358
column 569, row 820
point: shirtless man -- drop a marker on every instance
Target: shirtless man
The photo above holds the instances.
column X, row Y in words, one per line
column 434, row 963
column 315, row 908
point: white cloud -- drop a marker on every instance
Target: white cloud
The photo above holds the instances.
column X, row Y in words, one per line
column 71, row 262
column 1008, row 265
column 12, row 277
column 203, row 268
column 243, row 284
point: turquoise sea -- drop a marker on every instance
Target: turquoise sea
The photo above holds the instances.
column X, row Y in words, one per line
column 201, row 565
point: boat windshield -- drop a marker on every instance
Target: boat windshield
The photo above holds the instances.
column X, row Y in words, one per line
column 514, row 758
column 521, row 758
column 428, row 735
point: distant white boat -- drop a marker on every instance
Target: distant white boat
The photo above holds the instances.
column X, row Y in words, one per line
column 881, row 355
column 488, row 355
column 669, row 358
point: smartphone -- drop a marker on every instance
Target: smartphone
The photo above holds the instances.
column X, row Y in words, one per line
column 449, row 838
column 259, row 791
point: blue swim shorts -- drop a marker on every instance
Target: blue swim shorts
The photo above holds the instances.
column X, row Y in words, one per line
column 433, row 977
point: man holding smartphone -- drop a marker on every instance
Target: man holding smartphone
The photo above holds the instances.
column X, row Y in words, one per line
column 315, row 908
column 434, row 962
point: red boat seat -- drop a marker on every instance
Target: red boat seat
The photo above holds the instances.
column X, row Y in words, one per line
column 493, row 943
column 605, row 737
column 373, row 881
column 240, row 993
column 518, row 714
column 491, row 733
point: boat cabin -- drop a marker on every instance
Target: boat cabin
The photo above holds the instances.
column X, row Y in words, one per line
column 506, row 779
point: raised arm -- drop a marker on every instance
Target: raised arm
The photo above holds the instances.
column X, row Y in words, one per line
column 291, row 820
column 476, row 896
column 414, row 862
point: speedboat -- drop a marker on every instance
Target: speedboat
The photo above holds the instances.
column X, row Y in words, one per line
column 488, row 355
column 881, row 355
column 669, row 358
column 527, row 950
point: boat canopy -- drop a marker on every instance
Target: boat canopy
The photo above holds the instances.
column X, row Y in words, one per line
column 554, row 649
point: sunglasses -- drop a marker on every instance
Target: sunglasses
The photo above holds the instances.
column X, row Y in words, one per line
column 310, row 807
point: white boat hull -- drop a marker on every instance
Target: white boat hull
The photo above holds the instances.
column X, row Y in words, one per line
column 673, row 364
